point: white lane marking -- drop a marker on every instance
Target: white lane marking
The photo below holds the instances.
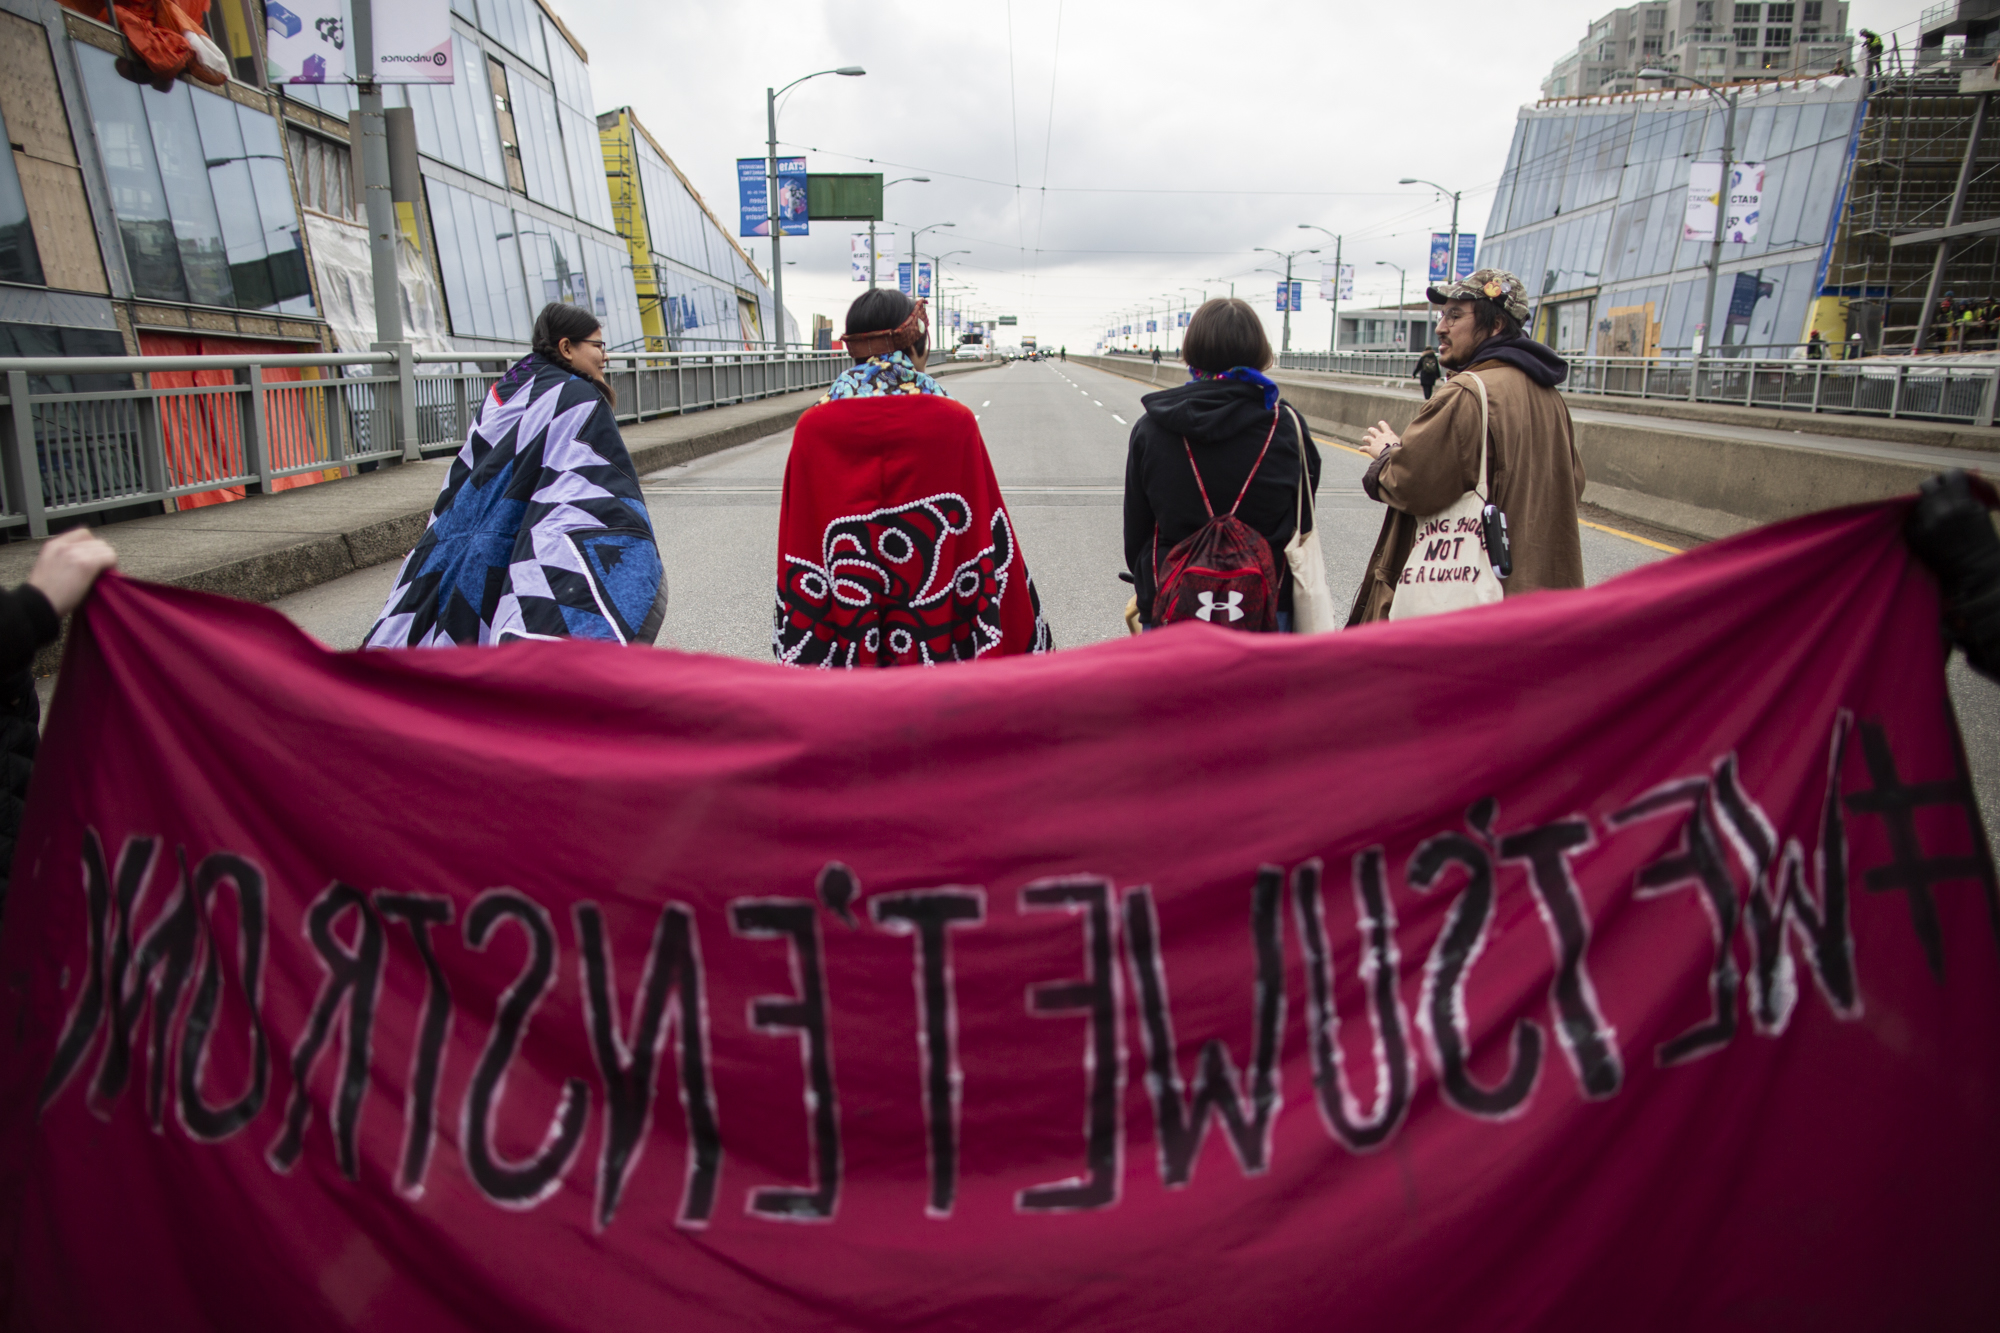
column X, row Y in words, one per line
column 1095, row 403
column 987, row 403
column 1115, row 417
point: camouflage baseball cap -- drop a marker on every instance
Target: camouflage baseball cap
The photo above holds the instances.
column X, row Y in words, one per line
column 1496, row 285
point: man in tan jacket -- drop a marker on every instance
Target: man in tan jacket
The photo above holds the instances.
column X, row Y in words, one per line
column 1537, row 477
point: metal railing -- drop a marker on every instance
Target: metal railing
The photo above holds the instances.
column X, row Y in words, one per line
column 142, row 430
column 1884, row 387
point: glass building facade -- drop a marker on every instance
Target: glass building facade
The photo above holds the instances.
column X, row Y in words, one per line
column 1590, row 209
column 697, row 288
column 515, row 196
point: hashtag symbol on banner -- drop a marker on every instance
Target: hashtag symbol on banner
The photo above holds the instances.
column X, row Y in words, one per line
column 1909, row 871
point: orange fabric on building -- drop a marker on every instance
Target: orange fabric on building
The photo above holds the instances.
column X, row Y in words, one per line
column 203, row 432
column 154, row 28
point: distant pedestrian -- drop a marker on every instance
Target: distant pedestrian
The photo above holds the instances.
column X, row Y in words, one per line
column 1873, row 45
column 65, row 570
column 1156, row 356
column 540, row 530
column 895, row 547
column 1223, row 438
column 1536, row 477
column 1427, row 371
column 1815, row 346
column 1062, row 353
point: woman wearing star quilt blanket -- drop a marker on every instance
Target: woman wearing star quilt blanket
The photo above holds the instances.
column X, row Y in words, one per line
column 895, row 547
column 540, row 531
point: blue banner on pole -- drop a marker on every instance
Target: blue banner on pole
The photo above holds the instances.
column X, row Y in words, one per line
column 755, row 204
column 1182, row 321
column 1468, row 250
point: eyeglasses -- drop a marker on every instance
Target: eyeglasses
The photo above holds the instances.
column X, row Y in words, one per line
column 1446, row 317
column 598, row 343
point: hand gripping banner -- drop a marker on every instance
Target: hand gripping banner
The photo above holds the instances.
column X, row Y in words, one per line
column 1623, row 958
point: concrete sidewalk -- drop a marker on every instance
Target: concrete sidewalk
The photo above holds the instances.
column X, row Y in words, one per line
column 267, row 546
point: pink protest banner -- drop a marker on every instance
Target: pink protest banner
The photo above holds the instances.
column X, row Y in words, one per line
column 1615, row 959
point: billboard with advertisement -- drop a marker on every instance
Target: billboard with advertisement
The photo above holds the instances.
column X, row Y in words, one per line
column 751, row 198
column 1292, row 297
column 310, row 41
column 1468, row 250
column 923, row 279
column 1746, row 202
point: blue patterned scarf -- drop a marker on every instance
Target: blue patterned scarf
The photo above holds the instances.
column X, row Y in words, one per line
column 1247, row 376
column 880, row 376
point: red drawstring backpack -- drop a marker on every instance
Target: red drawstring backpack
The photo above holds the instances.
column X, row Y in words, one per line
column 1222, row 572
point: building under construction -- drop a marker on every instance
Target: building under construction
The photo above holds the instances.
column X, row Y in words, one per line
column 1866, row 182
column 1923, row 213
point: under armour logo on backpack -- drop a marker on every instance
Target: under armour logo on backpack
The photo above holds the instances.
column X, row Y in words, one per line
column 1229, row 605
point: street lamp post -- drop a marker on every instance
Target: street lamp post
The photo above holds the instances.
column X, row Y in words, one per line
column 1702, row 339
column 771, row 192
column 1402, row 288
column 871, row 225
column 1451, row 254
column 1333, row 339
column 937, row 277
column 1288, row 257
column 1184, row 291
column 1232, row 286
column 915, row 262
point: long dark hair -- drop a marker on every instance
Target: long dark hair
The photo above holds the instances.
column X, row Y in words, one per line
column 559, row 321
column 878, row 311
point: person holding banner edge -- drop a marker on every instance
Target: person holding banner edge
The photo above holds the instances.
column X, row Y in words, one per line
column 1536, row 475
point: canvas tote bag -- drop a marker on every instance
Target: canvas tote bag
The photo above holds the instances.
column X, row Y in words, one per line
column 1312, row 600
column 1448, row 568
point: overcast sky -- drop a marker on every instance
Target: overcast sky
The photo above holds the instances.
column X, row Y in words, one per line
column 1096, row 156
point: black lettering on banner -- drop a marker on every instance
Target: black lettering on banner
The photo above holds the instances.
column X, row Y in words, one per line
column 670, row 992
column 524, row 1184
column 1782, row 900
column 796, row 920
column 421, row 912
column 160, row 970
column 212, row 1124
column 838, row 888
column 1097, row 996
column 353, row 983
column 927, row 916
column 1441, row 1011
column 1581, row 1030
column 1183, row 1124
column 86, row 1015
column 1381, row 977
column 1909, row 871
column 1699, row 861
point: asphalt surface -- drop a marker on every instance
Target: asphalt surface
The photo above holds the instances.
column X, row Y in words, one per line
column 1057, row 434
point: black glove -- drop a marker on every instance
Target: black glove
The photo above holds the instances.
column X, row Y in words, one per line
column 1949, row 530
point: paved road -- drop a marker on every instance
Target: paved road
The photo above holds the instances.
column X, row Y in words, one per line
column 1057, row 435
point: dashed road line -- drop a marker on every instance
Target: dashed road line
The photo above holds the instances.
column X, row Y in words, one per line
column 1115, row 417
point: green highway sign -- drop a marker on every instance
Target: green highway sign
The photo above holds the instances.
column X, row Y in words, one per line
column 844, row 196
column 1009, row 319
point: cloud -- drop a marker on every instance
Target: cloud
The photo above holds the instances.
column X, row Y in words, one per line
column 1172, row 138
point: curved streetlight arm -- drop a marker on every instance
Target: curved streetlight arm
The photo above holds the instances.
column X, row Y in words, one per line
column 849, row 71
column 777, row 336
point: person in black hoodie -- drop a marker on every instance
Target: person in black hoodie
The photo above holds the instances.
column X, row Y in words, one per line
column 1224, row 413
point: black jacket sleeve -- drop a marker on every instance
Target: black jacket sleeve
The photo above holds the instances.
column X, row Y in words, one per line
column 1140, row 521
column 27, row 621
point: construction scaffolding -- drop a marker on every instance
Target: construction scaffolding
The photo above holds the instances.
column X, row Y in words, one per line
column 1922, row 217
